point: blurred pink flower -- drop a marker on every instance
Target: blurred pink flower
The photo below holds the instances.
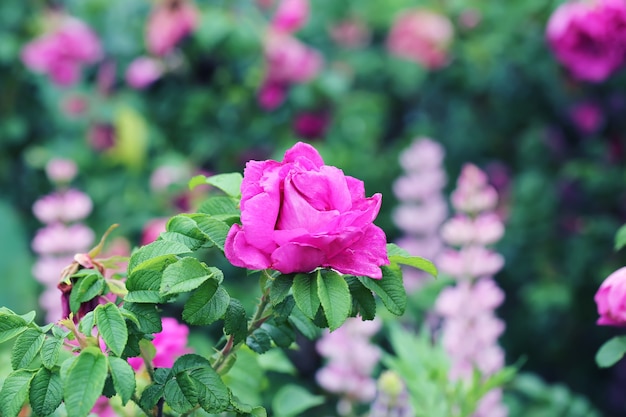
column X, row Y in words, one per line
column 63, row 206
column 485, row 229
column 611, row 299
column 473, row 193
column 589, row 37
column 289, row 60
column 47, row 269
column 61, row 170
column 422, row 36
column 491, row 405
column 587, row 117
column 311, row 125
column 103, row 408
column 169, row 22
column 272, row 94
column 101, row 136
column 153, row 229
column 421, row 218
column 291, row 15
column 469, row 261
column 170, row 344
column 143, row 71
column 61, row 53
column 57, row 238
column 351, row 33
column 164, row 176
column 74, row 105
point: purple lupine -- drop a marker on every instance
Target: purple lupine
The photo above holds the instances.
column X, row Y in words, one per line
column 470, row 329
column 422, row 207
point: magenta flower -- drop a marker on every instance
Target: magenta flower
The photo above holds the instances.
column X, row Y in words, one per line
column 421, row 36
column 170, row 344
column 611, row 299
column 289, row 60
column 168, row 24
column 589, row 37
column 61, row 53
column 311, row 125
column 143, row 71
column 291, row 15
column 299, row 214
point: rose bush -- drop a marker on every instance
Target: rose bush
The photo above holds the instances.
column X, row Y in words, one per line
column 299, row 214
column 611, row 299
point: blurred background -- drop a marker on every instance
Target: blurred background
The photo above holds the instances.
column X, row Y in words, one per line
column 152, row 93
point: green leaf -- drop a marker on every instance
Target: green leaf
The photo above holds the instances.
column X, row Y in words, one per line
column 416, row 262
column 215, row 230
column 393, row 250
column 280, row 288
column 259, row 341
column 84, row 382
column 184, row 230
column 147, row 315
column 235, row 322
column 154, row 252
column 282, row 310
column 283, row 335
column 85, row 326
column 304, row 324
column 213, row 395
column 14, row 392
column 196, row 181
column 389, row 288
column 26, row 348
column 28, row 317
column 334, row 295
column 50, row 351
column 187, row 275
column 87, row 287
column 144, row 297
column 293, row 400
column 229, row 183
column 112, row 327
column 363, row 302
column 46, row 392
column 11, row 325
column 620, row 238
column 180, row 393
column 206, row 304
column 306, row 295
column 123, row 378
column 611, row 352
column 151, row 396
column 220, row 207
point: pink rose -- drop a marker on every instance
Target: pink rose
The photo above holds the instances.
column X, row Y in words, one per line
column 289, row 60
column 143, row 71
column 170, row 343
column 589, row 38
column 291, row 15
column 168, row 24
column 299, row 214
column 422, row 36
column 611, row 299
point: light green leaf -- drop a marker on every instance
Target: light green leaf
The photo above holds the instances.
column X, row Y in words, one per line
column 389, row 288
column 611, row 352
column 293, row 400
column 144, row 297
column 220, row 206
column 28, row 317
column 26, row 348
column 196, row 181
column 85, row 326
column 230, row 183
column 112, row 327
column 306, row 295
column 11, row 325
column 334, row 296
column 206, row 304
column 147, row 315
column 123, row 378
column 50, row 351
column 46, row 392
column 154, row 252
column 86, row 288
column 183, row 229
column 187, row 275
column 620, row 238
column 280, row 288
column 14, row 392
column 215, row 230
column 395, row 250
column 84, row 382
column 416, row 262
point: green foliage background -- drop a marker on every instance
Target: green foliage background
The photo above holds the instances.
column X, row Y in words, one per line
column 502, row 103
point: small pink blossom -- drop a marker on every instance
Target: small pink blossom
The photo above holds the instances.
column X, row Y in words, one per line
column 611, row 299
column 421, row 218
column 589, row 37
column 143, row 71
column 289, row 60
column 351, row 33
column 291, row 15
column 153, row 229
column 61, row 170
column 473, row 194
column 461, row 230
column 470, row 261
column 311, row 125
column 101, row 136
column 64, row 206
column 170, row 344
column 57, row 238
column 62, row 52
column 422, row 36
column 272, row 94
column 169, row 22
column 102, row 408
column 587, row 117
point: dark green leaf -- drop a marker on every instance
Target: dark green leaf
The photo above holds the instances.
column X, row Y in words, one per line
column 293, row 400
column 259, row 341
column 235, row 322
column 147, row 315
column 390, row 289
column 611, row 351
column 216, row 230
column 283, row 310
column 151, row 396
column 280, row 288
column 188, row 362
column 87, row 287
column 230, row 183
column 11, row 325
column 26, row 348
column 50, row 351
column 123, row 378
column 206, row 304
column 283, row 335
column 212, row 394
column 112, row 327
column 363, row 302
column 304, row 324
column 46, row 392
column 187, row 275
column 14, row 392
column 620, row 238
column 84, row 382
column 180, row 393
column 334, row 296
column 154, row 253
column 306, row 295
